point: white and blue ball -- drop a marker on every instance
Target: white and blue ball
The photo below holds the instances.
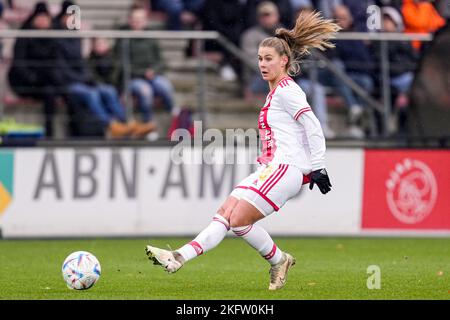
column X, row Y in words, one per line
column 81, row 270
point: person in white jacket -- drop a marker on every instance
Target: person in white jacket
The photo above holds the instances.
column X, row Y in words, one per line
column 293, row 153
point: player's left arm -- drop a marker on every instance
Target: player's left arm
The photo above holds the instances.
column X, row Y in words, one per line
column 314, row 134
column 297, row 106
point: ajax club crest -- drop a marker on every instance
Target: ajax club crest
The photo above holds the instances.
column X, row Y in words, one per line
column 411, row 191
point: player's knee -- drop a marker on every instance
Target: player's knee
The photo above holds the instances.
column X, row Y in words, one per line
column 221, row 211
column 226, row 213
column 237, row 221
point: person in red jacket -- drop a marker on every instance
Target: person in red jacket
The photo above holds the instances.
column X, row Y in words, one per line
column 420, row 16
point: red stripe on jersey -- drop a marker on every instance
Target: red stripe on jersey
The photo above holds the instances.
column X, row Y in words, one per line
column 265, row 131
column 266, row 135
column 272, row 176
column 274, row 206
column 299, row 113
column 299, row 110
column 273, row 90
column 277, row 179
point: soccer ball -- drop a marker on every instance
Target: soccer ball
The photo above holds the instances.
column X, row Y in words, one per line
column 81, row 270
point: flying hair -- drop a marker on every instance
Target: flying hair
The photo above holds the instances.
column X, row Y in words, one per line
column 311, row 31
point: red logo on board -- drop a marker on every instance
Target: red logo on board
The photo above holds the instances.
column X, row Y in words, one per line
column 406, row 189
column 411, row 191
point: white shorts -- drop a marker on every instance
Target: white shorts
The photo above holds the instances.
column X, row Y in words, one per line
column 270, row 186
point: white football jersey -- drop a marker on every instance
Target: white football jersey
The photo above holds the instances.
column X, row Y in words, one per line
column 289, row 131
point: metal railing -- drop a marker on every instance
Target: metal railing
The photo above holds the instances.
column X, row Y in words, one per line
column 384, row 38
column 202, row 36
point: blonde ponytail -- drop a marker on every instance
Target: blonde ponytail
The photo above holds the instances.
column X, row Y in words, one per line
column 311, row 31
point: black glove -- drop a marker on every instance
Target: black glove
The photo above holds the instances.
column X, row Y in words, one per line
column 320, row 177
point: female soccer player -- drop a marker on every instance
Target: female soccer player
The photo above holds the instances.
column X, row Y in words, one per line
column 293, row 153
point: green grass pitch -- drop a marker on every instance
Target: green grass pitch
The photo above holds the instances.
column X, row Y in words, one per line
column 327, row 268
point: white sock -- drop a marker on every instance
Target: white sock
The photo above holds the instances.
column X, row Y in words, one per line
column 209, row 238
column 260, row 240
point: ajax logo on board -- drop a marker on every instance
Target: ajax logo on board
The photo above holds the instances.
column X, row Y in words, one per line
column 411, row 191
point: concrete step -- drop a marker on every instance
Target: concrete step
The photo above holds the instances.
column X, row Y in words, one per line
column 173, row 55
column 102, row 4
column 191, row 65
column 177, row 44
column 104, row 24
column 223, row 121
column 112, row 23
column 105, row 13
column 232, row 106
column 245, row 120
column 190, row 82
column 229, row 114
column 337, row 122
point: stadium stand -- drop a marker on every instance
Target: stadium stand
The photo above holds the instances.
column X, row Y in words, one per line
column 223, row 99
column 182, row 71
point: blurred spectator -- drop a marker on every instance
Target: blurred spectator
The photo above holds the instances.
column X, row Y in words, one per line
column 420, row 16
column 226, row 17
column 16, row 14
column 314, row 90
column 180, row 12
column 301, row 5
column 32, row 73
column 358, row 9
column 3, row 25
column 402, row 63
column 268, row 18
column 443, row 7
column 354, row 58
column 284, row 8
column 102, row 62
column 397, row 4
column 268, row 22
column 73, row 73
column 146, row 65
column 326, row 7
